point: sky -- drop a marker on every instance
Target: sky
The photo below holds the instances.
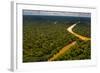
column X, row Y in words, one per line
column 56, row 13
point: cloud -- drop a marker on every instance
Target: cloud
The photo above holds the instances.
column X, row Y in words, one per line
column 56, row 13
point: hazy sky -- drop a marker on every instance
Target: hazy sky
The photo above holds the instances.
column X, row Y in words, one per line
column 55, row 13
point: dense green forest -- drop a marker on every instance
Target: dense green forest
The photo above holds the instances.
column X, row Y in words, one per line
column 41, row 40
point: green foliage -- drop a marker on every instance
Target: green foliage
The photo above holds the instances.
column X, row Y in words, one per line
column 41, row 40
